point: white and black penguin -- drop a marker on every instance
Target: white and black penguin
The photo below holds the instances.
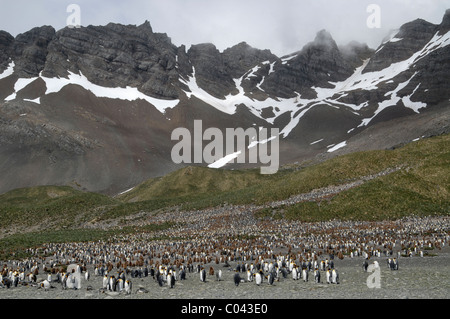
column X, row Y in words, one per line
column 334, row 276
column 237, row 278
column 119, row 285
column 294, row 273
column 270, row 278
column 105, row 282
column 258, row 278
column 87, row 275
column 159, row 279
column 128, row 287
column 182, row 274
column 365, row 264
column 46, row 285
column 328, row 276
column 203, row 275
column 317, row 275
column 219, row 275
column 249, row 276
column 395, row 262
column 305, row 274
column 112, row 283
column 169, row 279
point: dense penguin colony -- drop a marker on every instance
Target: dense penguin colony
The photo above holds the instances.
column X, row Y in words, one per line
column 211, row 242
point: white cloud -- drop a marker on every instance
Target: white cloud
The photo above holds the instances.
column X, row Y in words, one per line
column 283, row 26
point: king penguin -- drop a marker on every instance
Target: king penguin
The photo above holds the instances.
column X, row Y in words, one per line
column 46, row 285
column 328, row 276
column 258, row 278
column 128, row 287
column 219, row 275
column 237, row 278
column 305, row 274
column 317, row 275
column 203, row 275
column 270, row 278
column 105, row 281
column 334, row 276
column 249, row 276
column 294, row 273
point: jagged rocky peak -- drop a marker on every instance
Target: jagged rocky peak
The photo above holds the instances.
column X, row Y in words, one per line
column 210, row 69
column 322, row 60
column 417, row 29
column 30, row 51
column 401, row 44
column 324, row 39
column 6, row 43
column 242, row 57
column 146, row 26
column 116, row 55
column 445, row 24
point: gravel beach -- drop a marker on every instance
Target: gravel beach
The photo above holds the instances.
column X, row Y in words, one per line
column 417, row 278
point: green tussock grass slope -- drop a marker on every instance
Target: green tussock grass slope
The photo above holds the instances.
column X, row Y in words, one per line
column 192, row 181
column 60, row 205
column 420, row 187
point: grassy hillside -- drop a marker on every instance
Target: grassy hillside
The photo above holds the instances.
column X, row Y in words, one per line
column 192, row 181
column 58, row 206
column 420, row 187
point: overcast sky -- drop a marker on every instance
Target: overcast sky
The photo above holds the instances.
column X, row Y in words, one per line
column 282, row 26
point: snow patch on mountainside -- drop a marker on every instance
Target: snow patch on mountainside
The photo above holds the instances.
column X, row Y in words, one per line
column 9, row 71
column 229, row 104
column 55, row 85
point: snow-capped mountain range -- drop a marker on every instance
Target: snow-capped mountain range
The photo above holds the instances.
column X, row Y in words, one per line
column 94, row 107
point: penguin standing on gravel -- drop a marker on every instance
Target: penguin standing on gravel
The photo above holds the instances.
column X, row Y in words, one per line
column 258, row 278
column 395, row 264
column 46, row 285
column 317, row 275
column 249, row 275
column 182, row 274
column 202, row 275
column 334, row 276
column 219, row 275
column 128, row 287
column 294, row 273
column 105, row 281
column 237, row 279
column 172, row 281
column 270, row 278
column 305, row 274
column 365, row 265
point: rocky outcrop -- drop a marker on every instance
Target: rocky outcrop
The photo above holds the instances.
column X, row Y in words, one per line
column 116, row 56
column 317, row 97
column 30, row 51
column 400, row 45
column 6, row 43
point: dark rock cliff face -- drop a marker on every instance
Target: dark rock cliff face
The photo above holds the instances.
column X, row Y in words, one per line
column 242, row 57
column 6, row 42
column 210, row 69
column 411, row 38
column 73, row 137
column 318, row 63
column 116, row 56
column 30, row 51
